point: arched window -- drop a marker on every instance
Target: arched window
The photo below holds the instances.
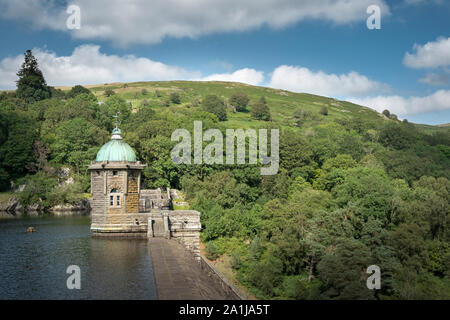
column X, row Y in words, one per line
column 114, row 200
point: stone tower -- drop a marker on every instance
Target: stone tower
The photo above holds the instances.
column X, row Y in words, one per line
column 115, row 188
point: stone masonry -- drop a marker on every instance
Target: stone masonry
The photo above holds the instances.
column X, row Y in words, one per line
column 120, row 208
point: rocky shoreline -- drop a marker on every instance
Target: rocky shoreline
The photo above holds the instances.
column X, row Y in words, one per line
column 14, row 208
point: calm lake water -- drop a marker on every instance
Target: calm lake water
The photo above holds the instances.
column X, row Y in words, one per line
column 33, row 265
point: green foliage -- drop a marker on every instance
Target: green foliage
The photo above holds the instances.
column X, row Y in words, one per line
column 215, row 105
column 324, row 111
column 342, row 271
column 37, row 190
column 16, row 151
column 31, row 85
column 240, row 101
column 76, row 90
column 397, row 136
column 211, row 251
column 109, row 92
column 175, row 97
column 57, row 93
column 260, row 111
column 76, row 142
column 4, row 180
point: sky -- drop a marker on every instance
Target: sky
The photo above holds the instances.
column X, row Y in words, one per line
column 322, row 47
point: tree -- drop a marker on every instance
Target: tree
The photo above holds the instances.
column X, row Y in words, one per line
column 175, row 98
column 19, row 135
column 398, row 136
column 57, row 93
column 386, row 113
column 343, row 271
column 324, row 111
column 239, row 101
column 76, row 142
column 260, row 111
column 215, row 105
column 31, row 85
column 109, row 92
column 76, row 90
column 300, row 116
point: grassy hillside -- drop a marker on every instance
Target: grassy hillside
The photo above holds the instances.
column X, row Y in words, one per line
column 283, row 103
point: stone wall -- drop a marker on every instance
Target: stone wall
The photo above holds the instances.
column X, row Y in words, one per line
column 132, row 197
column 183, row 226
column 98, row 201
column 154, row 199
column 219, row 278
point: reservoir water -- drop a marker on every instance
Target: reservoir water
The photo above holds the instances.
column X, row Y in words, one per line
column 33, row 265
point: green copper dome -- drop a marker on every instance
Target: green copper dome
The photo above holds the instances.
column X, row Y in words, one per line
column 116, row 149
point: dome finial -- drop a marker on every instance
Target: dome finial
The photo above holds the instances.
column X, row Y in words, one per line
column 116, row 133
column 116, row 116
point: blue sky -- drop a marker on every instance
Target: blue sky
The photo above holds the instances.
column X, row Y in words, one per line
column 321, row 47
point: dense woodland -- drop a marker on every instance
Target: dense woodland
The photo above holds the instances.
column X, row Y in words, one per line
column 355, row 187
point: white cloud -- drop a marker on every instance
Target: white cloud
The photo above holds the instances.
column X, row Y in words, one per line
column 141, row 21
column 436, row 79
column 246, row 75
column 87, row 65
column 431, row 55
column 440, row 100
column 300, row 79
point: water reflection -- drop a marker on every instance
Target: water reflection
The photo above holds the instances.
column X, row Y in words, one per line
column 33, row 265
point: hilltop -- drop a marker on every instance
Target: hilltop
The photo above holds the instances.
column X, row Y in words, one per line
column 282, row 103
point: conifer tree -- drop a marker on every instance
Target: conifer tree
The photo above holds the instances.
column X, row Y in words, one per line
column 31, row 85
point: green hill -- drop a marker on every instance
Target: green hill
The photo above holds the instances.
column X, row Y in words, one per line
column 283, row 103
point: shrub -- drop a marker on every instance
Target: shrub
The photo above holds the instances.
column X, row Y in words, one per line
column 235, row 260
column 211, row 251
column 216, row 106
column 260, row 111
column 165, row 103
column 109, row 92
column 77, row 90
column 324, row 111
column 144, row 92
column 175, row 97
column 239, row 101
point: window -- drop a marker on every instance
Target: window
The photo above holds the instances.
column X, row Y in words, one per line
column 111, row 201
column 115, row 173
column 118, row 200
